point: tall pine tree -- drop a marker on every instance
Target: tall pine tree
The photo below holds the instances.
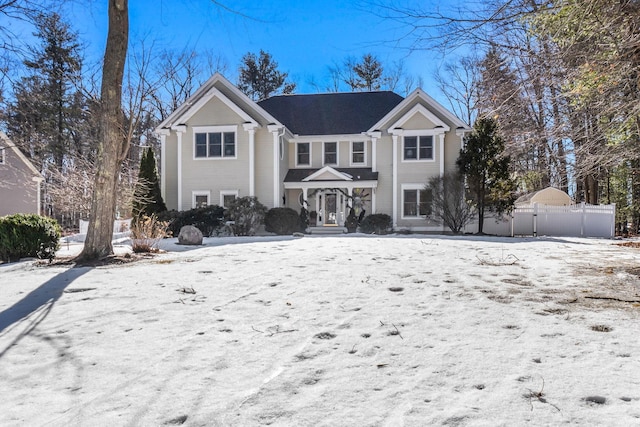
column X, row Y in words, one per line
column 259, row 77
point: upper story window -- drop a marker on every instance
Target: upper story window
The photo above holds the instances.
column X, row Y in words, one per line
column 418, row 147
column 303, row 154
column 330, row 153
column 358, row 154
column 215, row 142
column 2, row 159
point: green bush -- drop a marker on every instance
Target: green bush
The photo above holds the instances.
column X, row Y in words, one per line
column 303, row 219
column 247, row 213
column 282, row 221
column 28, row 235
column 376, row 224
column 206, row 219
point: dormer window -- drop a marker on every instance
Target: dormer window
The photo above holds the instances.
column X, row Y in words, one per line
column 418, row 147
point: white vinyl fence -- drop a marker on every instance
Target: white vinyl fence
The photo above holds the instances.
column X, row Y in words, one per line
column 542, row 220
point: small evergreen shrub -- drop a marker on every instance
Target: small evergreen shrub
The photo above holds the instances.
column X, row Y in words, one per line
column 28, row 235
column 146, row 233
column 282, row 221
column 352, row 221
column 206, row 219
column 304, row 219
column 248, row 214
column 376, row 224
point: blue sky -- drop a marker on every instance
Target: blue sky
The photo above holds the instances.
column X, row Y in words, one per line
column 304, row 37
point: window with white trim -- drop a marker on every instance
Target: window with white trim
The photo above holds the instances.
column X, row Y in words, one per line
column 358, row 154
column 416, row 202
column 330, row 153
column 303, row 154
column 227, row 197
column 200, row 199
column 418, row 147
column 214, row 142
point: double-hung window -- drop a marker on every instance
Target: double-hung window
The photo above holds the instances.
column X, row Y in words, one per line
column 357, row 153
column 330, row 153
column 416, row 202
column 418, row 147
column 215, row 142
column 303, row 154
column 200, row 199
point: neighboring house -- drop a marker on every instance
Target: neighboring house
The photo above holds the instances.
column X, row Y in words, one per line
column 368, row 150
column 19, row 181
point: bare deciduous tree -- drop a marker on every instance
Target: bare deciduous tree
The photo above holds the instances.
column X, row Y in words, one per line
column 112, row 147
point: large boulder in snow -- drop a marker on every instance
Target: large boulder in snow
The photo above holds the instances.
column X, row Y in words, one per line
column 190, row 235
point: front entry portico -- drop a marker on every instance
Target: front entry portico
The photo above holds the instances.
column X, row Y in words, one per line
column 329, row 192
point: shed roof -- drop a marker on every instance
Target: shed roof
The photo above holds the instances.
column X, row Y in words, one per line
column 547, row 196
column 331, row 113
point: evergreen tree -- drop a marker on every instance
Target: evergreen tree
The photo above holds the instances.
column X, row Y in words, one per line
column 365, row 75
column 43, row 118
column 486, row 168
column 148, row 197
column 259, row 77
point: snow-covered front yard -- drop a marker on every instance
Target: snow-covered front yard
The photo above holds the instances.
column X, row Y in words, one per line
column 328, row 331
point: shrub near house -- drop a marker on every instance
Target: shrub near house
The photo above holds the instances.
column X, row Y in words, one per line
column 28, row 235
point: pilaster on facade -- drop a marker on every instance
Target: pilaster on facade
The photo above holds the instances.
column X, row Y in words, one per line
column 250, row 128
column 394, row 176
column 180, row 130
column 374, row 149
column 278, row 132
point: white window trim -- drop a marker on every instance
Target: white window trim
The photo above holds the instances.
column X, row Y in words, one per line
column 337, row 153
column 351, row 162
column 310, row 155
column 216, row 129
column 223, row 193
column 404, row 187
column 433, row 148
column 200, row 193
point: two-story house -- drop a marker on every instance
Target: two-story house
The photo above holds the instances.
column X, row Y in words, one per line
column 328, row 152
column 19, row 180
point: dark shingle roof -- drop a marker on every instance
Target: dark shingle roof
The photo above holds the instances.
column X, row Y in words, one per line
column 357, row 174
column 331, row 113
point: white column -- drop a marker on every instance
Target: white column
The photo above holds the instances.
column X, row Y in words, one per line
column 394, row 181
column 180, row 130
column 373, row 201
column 251, row 129
column 374, row 154
column 275, row 131
column 320, row 218
column 163, row 166
column 374, row 150
column 441, row 137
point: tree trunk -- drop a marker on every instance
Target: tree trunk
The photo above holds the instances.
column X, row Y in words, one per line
column 112, row 146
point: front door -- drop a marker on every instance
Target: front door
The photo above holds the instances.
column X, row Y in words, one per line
column 330, row 209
